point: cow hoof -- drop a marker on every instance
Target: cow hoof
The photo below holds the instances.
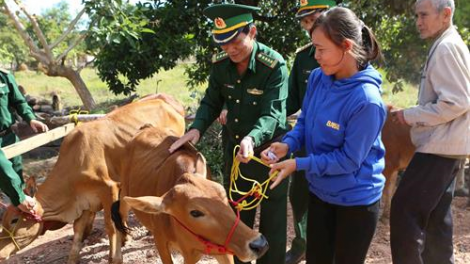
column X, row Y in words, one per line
column 72, row 260
column 115, row 261
column 123, row 241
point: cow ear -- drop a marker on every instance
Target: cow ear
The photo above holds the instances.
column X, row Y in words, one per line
column 201, row 166
column 30, row 186
column 146, row 204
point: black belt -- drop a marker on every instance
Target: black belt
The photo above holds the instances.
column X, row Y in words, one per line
column 5, row 132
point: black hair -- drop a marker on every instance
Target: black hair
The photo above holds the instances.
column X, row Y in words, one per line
column 339, row 24
column 246, row 29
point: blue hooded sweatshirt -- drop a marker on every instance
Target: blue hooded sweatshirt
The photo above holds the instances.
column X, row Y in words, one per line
column 340, row 127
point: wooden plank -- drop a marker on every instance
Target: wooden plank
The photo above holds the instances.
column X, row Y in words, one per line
column 37, row 141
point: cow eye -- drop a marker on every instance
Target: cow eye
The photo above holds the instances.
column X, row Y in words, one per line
column 196, row 213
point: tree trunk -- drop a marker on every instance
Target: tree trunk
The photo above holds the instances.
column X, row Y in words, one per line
column 74, row 77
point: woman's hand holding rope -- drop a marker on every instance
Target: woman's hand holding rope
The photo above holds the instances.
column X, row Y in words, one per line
column 272, row 155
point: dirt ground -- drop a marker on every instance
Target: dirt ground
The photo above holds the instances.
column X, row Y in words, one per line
column 53, row 247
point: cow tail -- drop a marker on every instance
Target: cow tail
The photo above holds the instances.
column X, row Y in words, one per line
column 117, row 219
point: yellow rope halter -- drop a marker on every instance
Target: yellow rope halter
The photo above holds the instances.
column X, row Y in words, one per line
column 74, row 115
column 11, row 235
column 258, row 189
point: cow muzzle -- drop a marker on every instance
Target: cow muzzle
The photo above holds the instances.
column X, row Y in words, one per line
column 6, row 251
column 259, row 246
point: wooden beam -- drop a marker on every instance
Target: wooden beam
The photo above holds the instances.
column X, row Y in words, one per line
column 37, row 141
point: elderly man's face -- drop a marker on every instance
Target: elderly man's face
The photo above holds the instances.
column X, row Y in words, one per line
column 429, row 21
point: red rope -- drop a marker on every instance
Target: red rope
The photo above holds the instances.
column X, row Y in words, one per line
column 237, row 202
column 208, row 245
column 232, row 230
column 36, row 217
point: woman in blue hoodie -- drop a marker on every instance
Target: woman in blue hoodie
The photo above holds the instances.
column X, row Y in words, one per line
column 342, row 116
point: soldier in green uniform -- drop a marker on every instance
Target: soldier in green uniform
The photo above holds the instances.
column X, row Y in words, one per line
column 251, row 80
column 304, row 63
column 11, row 176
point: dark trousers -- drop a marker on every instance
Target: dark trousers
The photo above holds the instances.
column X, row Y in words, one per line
column 273, row 211
column 339, row 234
column 298, row 196
column 421, row 217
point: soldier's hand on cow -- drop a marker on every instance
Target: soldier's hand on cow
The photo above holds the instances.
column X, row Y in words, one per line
column 275, row 152
column 192, row 136
column 398, row 117
column 246, row 149
column 222, row 119
column 38, row 126
column 284, row 169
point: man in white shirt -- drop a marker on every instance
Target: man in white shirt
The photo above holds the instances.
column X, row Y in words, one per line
column 421, row 218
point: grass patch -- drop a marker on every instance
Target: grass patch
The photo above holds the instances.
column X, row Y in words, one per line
column 171, row 82
column 406, row 98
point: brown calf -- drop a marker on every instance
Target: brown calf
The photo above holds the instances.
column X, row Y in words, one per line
column 398, row 153
column 171, row 196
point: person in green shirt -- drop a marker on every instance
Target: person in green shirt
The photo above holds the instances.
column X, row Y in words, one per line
column 11, row 170
column 251, row 80
column 304, row 63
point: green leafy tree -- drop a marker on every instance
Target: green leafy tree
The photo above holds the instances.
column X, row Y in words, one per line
column 462, row 9
column 154, row 35
column 144, row 38
column 13, row 51
column 53, row 22
column 49, row 50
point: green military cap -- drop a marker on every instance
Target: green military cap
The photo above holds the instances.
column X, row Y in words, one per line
column 308, row 7
column 229, row 20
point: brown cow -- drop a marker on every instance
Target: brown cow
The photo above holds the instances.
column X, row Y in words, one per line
column 85, row 178
column 398, row 153
column 171, row 196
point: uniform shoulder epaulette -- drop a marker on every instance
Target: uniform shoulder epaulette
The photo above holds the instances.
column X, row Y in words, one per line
column 304, row 47
column 219, row 57
column 267, row 60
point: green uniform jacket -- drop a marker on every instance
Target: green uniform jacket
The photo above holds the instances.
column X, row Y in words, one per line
column 11, row 178
column 304, row 63
column 256, row 101
column 12, row 99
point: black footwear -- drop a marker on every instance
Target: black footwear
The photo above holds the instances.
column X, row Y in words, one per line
column 461, row 192
column 293, row 257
